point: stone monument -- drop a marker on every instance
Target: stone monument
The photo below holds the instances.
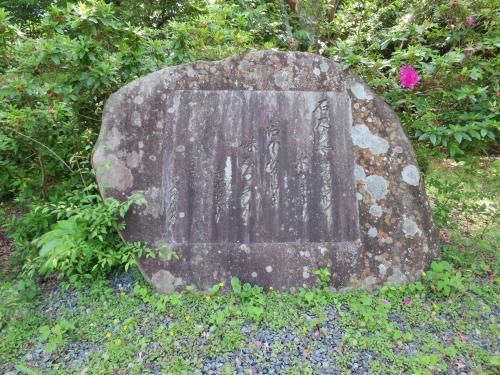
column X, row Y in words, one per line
column 265, row 166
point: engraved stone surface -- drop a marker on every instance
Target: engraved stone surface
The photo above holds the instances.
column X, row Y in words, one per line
column 265, row 166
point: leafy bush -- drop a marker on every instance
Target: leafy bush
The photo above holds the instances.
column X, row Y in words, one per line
column 52, row 91
column 223, row 30
column 84, row 240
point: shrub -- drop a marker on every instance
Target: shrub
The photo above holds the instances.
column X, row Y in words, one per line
column 52, row 89
column 84, row 240
column 453, row 108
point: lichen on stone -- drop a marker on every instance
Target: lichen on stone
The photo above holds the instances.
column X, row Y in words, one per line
column 364, row 138
column 411, row 175
column 377, row 186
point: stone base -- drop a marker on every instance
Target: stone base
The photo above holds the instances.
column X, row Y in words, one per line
column 282, row 266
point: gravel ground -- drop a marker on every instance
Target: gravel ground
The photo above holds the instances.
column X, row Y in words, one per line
column 265, row 351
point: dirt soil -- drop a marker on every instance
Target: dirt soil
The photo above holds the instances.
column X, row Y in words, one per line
column 6, row 249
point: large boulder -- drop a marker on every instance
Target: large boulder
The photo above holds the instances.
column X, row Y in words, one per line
column 265, row 166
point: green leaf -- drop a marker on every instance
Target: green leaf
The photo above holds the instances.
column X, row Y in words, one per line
column 236, row 285
column 50, row 347
column 49, row 246
column 44, row 332
column 433, row 139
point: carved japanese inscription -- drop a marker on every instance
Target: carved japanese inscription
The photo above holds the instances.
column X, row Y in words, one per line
column 265, row 166
column 274, row 169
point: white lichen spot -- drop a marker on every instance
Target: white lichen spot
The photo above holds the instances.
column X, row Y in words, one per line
column 323, row 250
column 324, row 67
column 175, row 106
column 113, row 140
column 138, row 100
column 152, row 157
column 376, row 210
column 410, row 228
column 316, row 71
column 305, row 275
column 359, row 172
column 190, row 72
column 382, row 269
column 181, row 214
column 411, row 175
column 398, row 150
column 269, row 269
column 228, row 176
column 180, row 148
column 245, row 248
column 254, row 274
column 358, row 90
column 153, row 207
column 244, row 64
column 136, row 119
column 372, row 232
column 364, row 138
column 133, row 160
column 377, row 186
column 359, row 197
column 425, row 246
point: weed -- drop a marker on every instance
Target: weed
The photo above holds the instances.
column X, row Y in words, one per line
column 443, row 280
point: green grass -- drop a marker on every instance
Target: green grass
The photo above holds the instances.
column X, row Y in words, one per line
column 139, row 331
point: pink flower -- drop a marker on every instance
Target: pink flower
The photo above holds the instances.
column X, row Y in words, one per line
column 467, row 52
column 385, row 302
column 470, row 21
column 408, row 76
column 407, row 301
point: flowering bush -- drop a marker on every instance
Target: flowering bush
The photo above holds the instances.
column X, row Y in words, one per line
column 452, row 46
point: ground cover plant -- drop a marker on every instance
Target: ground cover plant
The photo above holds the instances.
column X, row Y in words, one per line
column 71, row 297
